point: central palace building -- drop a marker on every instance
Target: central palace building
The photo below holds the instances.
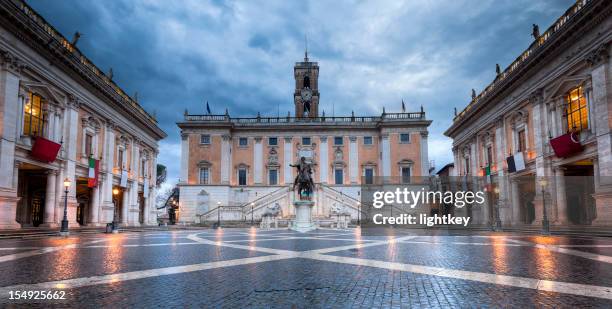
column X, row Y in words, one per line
column 234, row 168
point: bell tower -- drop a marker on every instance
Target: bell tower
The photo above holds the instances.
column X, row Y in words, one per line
column 306, row 95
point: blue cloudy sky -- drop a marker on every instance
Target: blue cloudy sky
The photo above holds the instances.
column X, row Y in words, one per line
column 240, row 54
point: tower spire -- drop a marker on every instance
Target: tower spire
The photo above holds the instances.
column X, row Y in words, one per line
column 305, row 48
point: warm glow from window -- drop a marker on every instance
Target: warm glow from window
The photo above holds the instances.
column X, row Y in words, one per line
column 576, row 111
column 33, row 115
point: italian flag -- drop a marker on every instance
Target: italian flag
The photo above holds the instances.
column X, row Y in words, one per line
column 94, row 170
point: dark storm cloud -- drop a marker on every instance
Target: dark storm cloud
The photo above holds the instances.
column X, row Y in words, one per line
column 240, row 55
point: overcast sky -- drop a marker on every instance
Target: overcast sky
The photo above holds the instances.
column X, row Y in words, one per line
column 240, row 55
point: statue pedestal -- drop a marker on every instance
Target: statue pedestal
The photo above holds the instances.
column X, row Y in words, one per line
column 303, row 220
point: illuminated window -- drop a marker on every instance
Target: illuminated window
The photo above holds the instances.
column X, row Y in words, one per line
column 34, row 119
column 576, row 111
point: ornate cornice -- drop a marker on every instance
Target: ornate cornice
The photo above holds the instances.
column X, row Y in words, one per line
column 598, row 56
column 11, row 63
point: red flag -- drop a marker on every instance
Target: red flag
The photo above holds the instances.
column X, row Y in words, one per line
column 45, row 150
column 566, row 145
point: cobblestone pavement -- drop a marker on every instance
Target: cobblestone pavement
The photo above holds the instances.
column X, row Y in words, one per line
column 238, row 268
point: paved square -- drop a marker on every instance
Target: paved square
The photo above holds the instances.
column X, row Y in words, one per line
column 323, row 268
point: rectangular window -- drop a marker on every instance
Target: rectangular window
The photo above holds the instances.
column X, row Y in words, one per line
column 205, row 139
column 243, row 141
column 467, row 166
column 120, row 158
column 369, row 175
column 521, row 141
column 88, row 145
column 273, row 177
column 489, row 155
column 338, row 140
column 367, row 140
column 576, row 111
column 242, row 177
column 404, row 138
column 306, row 141
column 34, row 119
column 339, row 176
column 204, row 175
column 405, row 175
column 272, row 141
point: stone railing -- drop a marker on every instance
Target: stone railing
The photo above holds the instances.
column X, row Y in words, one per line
column 275, row 120
column 61, row 47
column 542, row 40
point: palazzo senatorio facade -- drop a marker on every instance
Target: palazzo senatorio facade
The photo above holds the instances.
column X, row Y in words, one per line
column 542, row 128
column 51, row 95
column 233, row 168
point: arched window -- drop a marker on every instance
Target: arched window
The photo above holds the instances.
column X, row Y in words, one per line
column 306, row 81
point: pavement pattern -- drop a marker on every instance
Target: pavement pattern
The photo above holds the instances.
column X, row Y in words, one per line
column 326, row 268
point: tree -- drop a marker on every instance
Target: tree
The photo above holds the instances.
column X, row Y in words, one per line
column 161, row 174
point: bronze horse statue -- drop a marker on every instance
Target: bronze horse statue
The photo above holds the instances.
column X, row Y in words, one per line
column 303, row 180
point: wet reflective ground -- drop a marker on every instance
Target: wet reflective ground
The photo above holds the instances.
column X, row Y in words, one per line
column 238, row 268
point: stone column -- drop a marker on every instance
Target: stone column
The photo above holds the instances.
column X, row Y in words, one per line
column 501, row 176
column 424, row 154
column 601, row 70
column 288, row 159
column 70, row 143
column 516, row 208
column 106, row 175
column 49, row 218
column 323, row 159
column 258, row 161
column 561, row 217
column 225, row 159
column 134, row 206
column 125, row 206
column 184, row 158
column 353, row 160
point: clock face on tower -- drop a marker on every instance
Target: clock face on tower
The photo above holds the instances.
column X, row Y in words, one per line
column 306, row 94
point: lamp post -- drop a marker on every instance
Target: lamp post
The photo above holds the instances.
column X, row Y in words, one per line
column 115, row 229
column 252, row 215
column 218, row 214
column 498, row 225
column 64, row 228
column 545, row 223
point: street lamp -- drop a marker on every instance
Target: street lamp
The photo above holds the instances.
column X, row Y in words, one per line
column 114, row 224
column 252, row 207
column 498, row 225
column 218, row 214
column 64, row 228
column 545, row 223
